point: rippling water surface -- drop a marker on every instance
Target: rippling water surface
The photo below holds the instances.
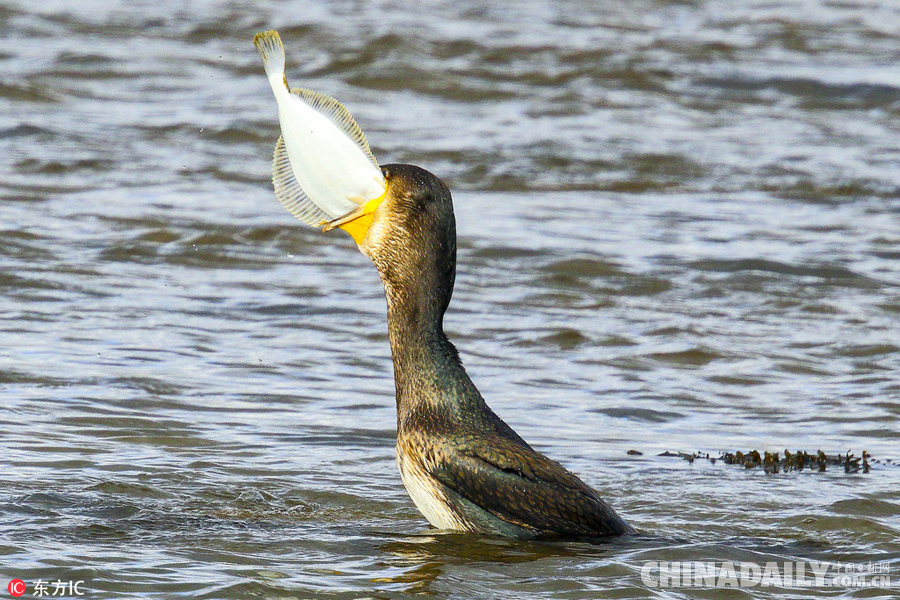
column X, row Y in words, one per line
column 679, row 227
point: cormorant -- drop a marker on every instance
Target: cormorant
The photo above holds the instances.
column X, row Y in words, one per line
column 464, row 468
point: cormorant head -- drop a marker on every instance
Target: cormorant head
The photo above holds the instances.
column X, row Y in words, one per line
column 409, row 233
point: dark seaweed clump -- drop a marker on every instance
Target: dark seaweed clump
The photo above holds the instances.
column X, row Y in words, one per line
column 773, row 462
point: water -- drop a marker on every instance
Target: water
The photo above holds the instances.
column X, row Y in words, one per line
column 678, row 231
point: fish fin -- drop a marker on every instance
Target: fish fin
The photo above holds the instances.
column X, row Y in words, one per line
column 272, row 52
column 289, row 192
column 338, row 114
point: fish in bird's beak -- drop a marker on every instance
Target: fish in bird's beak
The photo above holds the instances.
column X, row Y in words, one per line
column 323, row 170
column 357, row 221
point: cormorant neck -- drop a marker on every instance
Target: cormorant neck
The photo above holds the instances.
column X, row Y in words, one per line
column 412, row 241
column 432, row 385
column 427, row 368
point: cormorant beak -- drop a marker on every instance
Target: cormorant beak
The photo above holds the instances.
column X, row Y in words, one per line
column 357, row 222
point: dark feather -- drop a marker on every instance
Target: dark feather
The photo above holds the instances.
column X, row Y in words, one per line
column 523, row 487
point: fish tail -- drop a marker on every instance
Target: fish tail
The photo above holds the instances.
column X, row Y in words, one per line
column 272, row 51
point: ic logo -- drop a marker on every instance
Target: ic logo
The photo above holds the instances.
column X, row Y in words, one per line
column 16, row 588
